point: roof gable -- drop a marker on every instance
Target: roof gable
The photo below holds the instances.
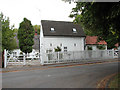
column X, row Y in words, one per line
column 61, row 28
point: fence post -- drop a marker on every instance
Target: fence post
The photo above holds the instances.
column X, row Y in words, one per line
column 5, row 58
column 24, row 59
column 41, row 58
column 113, row 53
column 73, row 56
column 58, row 56
column 119, row 53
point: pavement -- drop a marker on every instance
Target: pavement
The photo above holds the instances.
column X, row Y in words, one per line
column 16, row 68
column 75, row 76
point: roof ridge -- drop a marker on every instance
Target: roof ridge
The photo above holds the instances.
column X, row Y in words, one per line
column 57, row 21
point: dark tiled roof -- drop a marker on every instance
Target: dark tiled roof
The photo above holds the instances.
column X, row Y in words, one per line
column 61, row 28
column 93, row 40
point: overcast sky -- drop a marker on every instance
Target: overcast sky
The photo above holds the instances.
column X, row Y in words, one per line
column 35, row 10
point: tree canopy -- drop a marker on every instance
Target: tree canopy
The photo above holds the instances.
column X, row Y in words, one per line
column 25, row 36
column 100, row 19
column 37, row 27
column 8, row 40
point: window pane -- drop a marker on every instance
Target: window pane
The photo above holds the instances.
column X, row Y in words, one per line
column 52, row 29
column 74, row 30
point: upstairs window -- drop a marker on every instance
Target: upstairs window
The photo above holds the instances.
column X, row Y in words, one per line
column 52, row 29
column 65, row 47
column 74, row 30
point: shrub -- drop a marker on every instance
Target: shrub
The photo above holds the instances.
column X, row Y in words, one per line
column 58, row 49
column 101, row 47
column 89, row 47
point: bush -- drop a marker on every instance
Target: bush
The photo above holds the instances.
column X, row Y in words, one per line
column 89, row 47
column 101, row 47
column 58, row 49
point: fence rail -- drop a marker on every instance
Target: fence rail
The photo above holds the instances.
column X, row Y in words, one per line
column 78, row 56
column 59, row 57
column 21, row 59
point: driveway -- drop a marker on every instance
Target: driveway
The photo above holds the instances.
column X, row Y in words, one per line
column 83, row 76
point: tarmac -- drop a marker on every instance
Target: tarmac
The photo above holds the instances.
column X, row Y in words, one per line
column 102, row 84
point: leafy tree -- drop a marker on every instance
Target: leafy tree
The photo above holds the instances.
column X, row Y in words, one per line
column 15, row 30
column 37, row 27
column 25, row 36
column 8, row 40
column 99, row 18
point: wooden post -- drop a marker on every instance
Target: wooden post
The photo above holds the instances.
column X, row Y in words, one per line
column 41, row 58
column 24, row 55
column 113, row 53
column 5, row 58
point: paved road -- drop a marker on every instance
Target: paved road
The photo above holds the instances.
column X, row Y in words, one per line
column 83, row 76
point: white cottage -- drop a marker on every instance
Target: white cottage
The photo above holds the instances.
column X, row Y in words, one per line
column 65, row 35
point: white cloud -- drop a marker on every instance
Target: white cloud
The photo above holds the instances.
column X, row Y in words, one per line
column 16, row 10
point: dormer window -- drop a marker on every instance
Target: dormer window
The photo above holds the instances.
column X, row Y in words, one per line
column 74, row 30
column 52, row 29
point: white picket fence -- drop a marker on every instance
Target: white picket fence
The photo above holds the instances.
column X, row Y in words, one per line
column 78, row 56
column 59, row 57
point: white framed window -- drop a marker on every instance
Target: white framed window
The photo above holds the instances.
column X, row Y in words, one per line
column 65, row 49
column 74, row 30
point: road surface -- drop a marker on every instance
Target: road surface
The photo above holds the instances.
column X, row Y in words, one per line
column 83, row 76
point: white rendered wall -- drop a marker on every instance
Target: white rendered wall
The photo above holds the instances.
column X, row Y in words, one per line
column 65, row 41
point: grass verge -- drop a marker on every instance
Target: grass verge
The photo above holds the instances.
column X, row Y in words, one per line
column 115, row 81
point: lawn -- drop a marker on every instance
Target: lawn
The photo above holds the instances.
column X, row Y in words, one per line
column 115, row 82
